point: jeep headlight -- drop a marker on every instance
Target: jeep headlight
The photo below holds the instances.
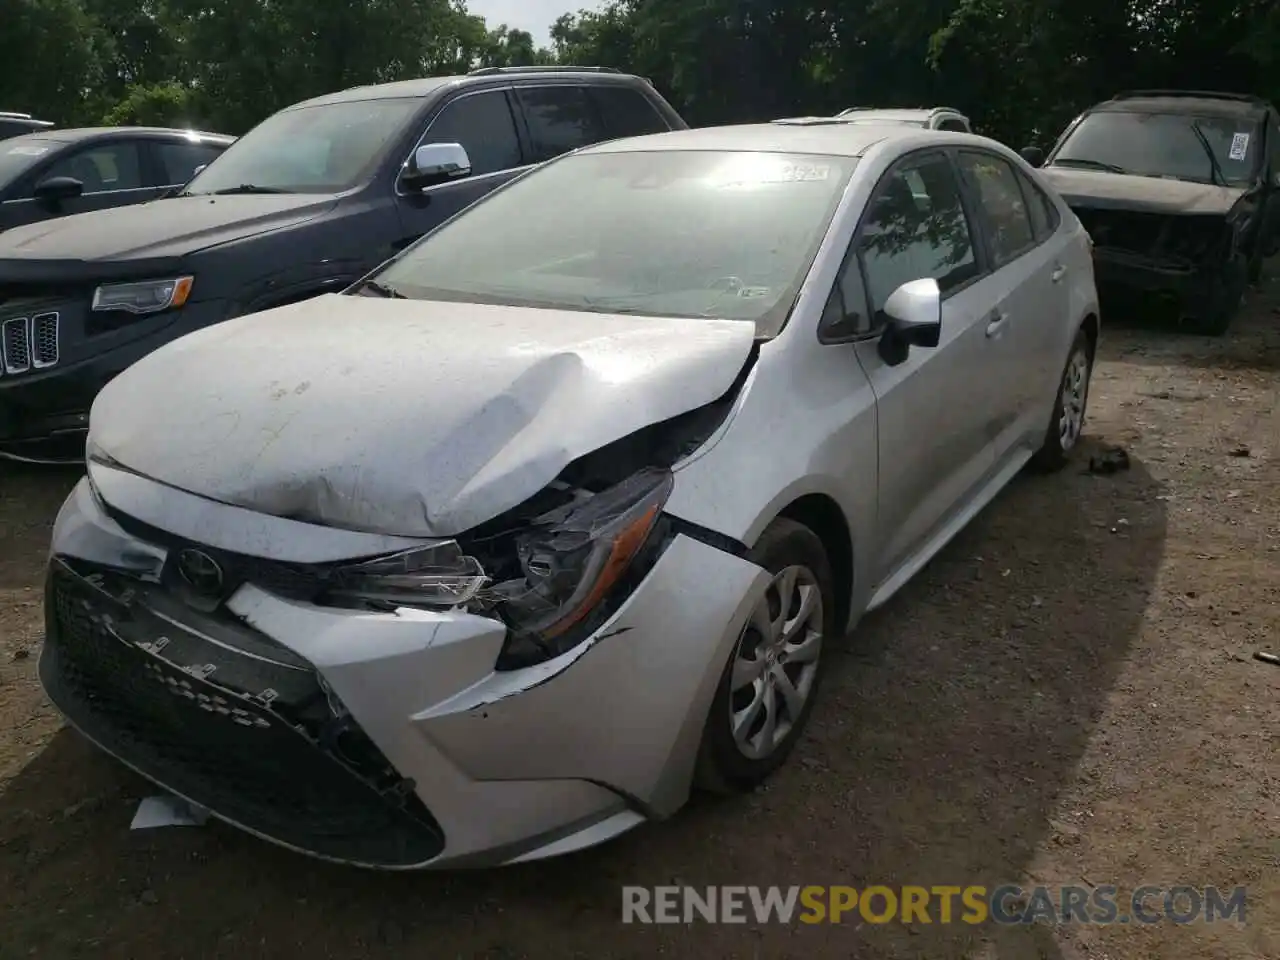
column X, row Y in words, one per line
column 146, row 296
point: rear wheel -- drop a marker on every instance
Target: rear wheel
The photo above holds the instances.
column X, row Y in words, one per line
column 1067, row 423
column 767, row 690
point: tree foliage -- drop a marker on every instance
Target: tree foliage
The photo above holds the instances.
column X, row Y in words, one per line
column 1019, row 68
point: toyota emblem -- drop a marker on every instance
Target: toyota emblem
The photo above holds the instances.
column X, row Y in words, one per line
column 200, row 571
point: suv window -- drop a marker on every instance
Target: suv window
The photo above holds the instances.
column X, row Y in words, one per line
column 954, row 125
column 1002, row 204
column 560, row 119
column 1044, row 212
column 178, row 161
column 627, row 112
column 915, row 228
column 483, row 124
column 110, row 166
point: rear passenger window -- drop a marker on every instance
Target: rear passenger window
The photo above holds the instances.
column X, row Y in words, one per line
column 560, row 119
column 1044, row 214
column 1000, row 197
column 483, row 125
column 178, row 161
column 627, row 112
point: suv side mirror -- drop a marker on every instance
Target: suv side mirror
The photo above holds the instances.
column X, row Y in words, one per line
column 56, row 189
column 914, row 311
column 434, row 163
column 1033, row 156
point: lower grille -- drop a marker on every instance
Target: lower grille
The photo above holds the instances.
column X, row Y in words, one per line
column 250, row 759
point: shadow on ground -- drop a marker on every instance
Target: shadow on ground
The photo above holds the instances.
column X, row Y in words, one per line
column 947, row 729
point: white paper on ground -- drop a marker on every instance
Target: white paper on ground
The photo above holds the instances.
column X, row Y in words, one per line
column 167, row 811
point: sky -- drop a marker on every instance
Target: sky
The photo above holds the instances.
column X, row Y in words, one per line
column 536, row 16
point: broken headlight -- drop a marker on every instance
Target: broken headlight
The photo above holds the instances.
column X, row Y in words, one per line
column 439, row 576
column 571, row 559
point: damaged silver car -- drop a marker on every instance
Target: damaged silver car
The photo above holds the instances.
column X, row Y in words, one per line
column 1180, row 191
column 557, row 514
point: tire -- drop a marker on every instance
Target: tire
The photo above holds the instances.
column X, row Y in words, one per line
column 1063, row 435
column 725, row 767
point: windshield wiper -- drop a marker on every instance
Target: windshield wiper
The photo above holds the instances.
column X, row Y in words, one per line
column 1095, row 164
column 382, row 290
column 1215, row 169
column 246, row 188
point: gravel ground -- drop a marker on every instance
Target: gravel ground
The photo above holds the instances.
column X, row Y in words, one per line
column 1065, row 695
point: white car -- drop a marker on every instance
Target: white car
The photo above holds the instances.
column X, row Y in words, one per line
column 497, row 554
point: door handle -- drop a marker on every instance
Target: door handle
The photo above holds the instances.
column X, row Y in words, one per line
column 995, row 322
column 1058, row 273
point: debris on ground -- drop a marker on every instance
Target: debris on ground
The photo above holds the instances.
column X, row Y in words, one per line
column 1110, row 460
column 168, row 811
column 1270, row 658
column 1240, row 451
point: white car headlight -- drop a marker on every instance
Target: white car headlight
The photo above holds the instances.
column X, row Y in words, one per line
column 438, row 576
column 147, row 296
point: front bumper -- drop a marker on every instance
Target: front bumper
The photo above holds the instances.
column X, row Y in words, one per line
column 388, row 740
column 44, row 414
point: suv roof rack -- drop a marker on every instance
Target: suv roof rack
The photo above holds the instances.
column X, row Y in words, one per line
column 1190, row 94
column 495, row 71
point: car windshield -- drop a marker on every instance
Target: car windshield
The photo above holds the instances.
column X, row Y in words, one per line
column 670, row 233
column 1165, row 145
column 20, row 154
column 325, row 148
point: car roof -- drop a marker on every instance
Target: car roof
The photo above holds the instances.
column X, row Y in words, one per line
column 425, row 86
column 900, row 114
column 841, row 139
column 1190, row 102
column 76, row 134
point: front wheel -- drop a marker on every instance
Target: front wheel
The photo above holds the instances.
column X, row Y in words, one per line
column 1067, row 422
column 768, row 686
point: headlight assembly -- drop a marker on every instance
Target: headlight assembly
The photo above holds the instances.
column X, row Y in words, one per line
column 147, row 296
column 438, row 576
column 572, row 558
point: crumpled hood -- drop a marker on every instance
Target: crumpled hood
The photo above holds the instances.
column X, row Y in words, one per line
column 1102, row 190
column 402, row 417
column 173, row 227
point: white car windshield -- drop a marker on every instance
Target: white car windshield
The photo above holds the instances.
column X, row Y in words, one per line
column 325, row 148
column 670, row 233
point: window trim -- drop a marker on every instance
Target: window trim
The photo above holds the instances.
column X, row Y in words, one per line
column 991, row 253
column 516, row 125
column 977, row 239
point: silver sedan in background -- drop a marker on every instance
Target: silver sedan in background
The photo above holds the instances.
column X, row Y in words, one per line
column 557, row 514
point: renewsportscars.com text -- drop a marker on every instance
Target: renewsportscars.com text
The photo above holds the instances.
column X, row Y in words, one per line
column 1007, row 904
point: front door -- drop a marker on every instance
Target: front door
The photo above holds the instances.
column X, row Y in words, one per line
column 484, row 124
column 932, row 409
column 111, row 174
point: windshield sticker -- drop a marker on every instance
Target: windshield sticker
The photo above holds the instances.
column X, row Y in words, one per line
column 28, row 151
column 1239, row 146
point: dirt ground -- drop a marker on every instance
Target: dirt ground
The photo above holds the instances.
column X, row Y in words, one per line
column 1066, row 695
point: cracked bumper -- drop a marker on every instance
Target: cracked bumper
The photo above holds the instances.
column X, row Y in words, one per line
column 511, row 766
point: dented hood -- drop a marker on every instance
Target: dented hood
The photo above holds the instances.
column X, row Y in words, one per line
column 402, row 417
column 1102, row 190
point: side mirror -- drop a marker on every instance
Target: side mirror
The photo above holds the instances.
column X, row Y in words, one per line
column 434, row 163
column 915, row 319
column 57, row 189
column 1033, row 156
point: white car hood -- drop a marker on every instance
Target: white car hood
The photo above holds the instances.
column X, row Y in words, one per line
column 1099, row 188
column 402, row 417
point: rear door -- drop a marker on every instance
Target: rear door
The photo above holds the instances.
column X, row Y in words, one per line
column 112, row 173
column 559, row 118
column 174, row 162
column 484, row 123
column 626, row 112
column 1029, row 302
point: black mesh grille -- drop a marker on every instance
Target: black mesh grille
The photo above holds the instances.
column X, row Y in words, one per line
column 254, row 763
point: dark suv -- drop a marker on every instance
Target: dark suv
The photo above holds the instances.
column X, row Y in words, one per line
column 305, row 203
column 1180, row 191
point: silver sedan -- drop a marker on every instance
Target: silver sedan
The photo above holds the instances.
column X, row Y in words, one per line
column 557, row 514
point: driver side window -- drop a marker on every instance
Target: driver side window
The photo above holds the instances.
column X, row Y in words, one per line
column 483, row 124
column 111, row 166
